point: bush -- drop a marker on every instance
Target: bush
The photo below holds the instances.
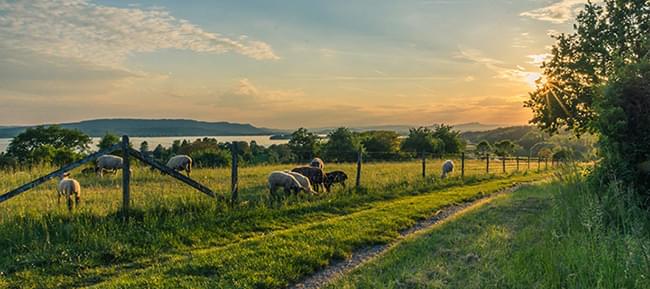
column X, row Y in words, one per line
column 211, row 158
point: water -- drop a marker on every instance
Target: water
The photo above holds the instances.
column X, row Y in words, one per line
column 167, row 141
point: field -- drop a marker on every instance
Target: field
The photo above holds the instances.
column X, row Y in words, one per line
column 548, row 235
column 178, row 237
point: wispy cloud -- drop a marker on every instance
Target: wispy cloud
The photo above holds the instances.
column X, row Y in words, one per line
column 106, row 36
column 518, row 74
column 559, row 12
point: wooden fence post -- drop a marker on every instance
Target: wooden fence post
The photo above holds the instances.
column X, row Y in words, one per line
column 234, row 180
column 545, row 163
column 126, row 177
column 424, row 165
column 462, row 165
column 487, row 163
column 503, row 163
column 358, row 184
column 517, row 163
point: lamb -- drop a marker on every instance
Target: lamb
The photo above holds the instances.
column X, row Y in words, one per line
column 316, row 176
column 317, row 163
column 68, row 187
column 281, row 179
column 181, row 163
column 304, row 182
column 447, row 167
column 334, row 178
column 108, row 163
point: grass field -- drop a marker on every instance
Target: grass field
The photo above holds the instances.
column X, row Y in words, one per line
column 543, row 236
column 180, row 238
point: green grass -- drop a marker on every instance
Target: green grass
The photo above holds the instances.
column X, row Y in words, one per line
column 543, row 236
column 175, row 229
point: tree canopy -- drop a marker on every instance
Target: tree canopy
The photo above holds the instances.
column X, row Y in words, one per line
column 581, row 63
column 48, row 144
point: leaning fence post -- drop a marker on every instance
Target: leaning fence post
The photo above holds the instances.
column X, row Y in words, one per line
column 503, row 163
column 424, row 165
column 358, row 184
column 126, row 176
column 234, row 186
column 487, row 163
column 462, row 165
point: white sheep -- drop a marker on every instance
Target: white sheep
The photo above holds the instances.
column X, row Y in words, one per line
column 281, row 179
column 304, row 182
column 317, row 163
column 447, row 167
column 67, row 187
column 180, row 163
column 108, row 163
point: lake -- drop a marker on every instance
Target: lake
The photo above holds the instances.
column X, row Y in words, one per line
column 167, row 141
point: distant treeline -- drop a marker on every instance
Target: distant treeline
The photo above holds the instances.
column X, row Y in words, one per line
column 58, row 146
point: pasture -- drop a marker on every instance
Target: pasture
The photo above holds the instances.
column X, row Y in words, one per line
column 45, row 246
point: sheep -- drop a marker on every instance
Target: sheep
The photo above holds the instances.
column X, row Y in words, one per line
column 181, row 163
column 316, row 176
column 67, row 187
column 304, row 182
column 335, row 177
column 447, row 167
column 108, row 163
column 281, row 179
column 317, row 163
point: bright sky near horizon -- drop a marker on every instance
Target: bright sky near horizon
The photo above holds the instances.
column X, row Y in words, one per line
column 280, row 64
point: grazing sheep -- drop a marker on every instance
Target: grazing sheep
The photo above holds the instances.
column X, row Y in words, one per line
column 68, row 187
column 281, row 179
column 304, row 182
column 447, row 167
column 334, row 178
column 316, row 176
column 317, row 163
column 108, row 163
column 181, row 163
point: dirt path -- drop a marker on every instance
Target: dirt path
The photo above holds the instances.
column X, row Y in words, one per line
column 335, row 270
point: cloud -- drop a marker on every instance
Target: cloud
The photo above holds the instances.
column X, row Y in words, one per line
column 106, row 36
column 518, row 74
column 246, row 95
column 558, row 12
column 538, row 59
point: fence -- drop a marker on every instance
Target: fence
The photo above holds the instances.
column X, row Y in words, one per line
column 412, row 166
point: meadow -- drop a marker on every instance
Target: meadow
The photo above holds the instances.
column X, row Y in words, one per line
column 206, row 243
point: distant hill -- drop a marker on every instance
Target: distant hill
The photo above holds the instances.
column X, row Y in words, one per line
column 513, row 133
column 153, row 127
column 404, row 129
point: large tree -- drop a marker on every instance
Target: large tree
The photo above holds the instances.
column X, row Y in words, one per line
column 421, row 140
column 304, row 144
column 45, row 144
column 342, row 145
column 581, row 63
column 451, row 143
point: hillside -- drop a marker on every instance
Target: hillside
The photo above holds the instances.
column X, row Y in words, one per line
column 512, row 133
column 153, row 127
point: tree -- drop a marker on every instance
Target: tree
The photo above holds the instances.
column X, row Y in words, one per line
column 483, row 148
column 581, row 64
column 41, row 145
column 451, row 142
column 505, row 148
column 342, row 145
column 108, row 141
column 421, row 140
column 304, row 144
column 385, row 144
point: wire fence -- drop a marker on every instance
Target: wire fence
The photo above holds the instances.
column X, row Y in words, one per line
column 364, row 169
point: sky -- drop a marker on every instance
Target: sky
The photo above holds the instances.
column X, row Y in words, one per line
column 279, row 64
